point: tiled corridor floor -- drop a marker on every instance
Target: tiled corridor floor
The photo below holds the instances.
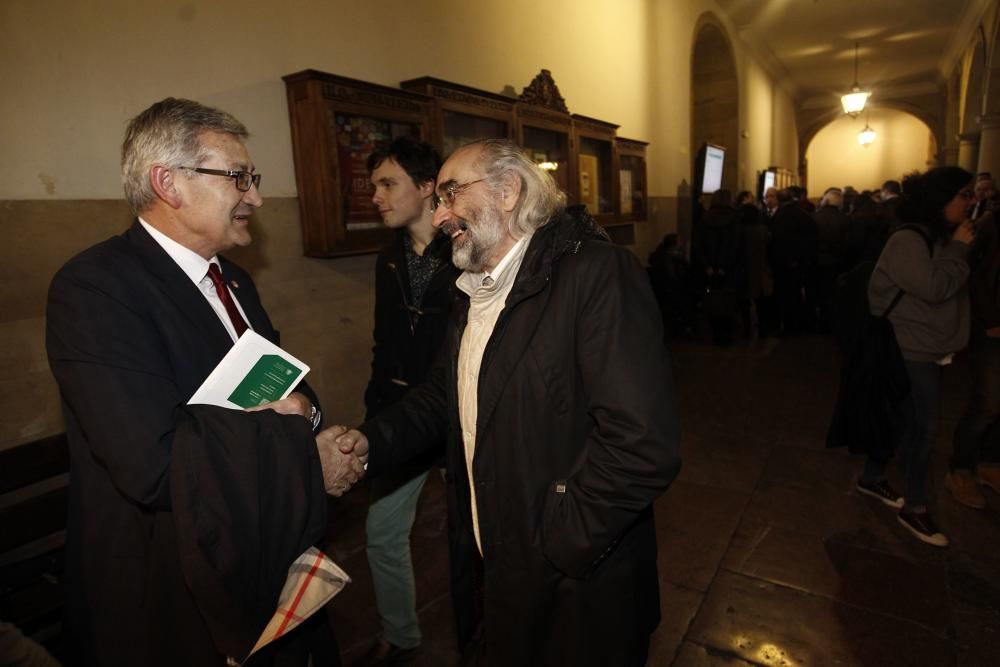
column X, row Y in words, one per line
column 768, row 555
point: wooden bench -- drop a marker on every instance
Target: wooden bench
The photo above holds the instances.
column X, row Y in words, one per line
column 34, row 495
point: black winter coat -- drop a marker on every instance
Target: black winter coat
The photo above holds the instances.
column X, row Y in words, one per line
column 407, row 337
column 577, row 435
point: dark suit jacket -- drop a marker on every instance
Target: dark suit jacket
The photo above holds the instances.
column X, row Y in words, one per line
column 129, row 339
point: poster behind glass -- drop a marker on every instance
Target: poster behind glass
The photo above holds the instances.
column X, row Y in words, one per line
column 595, row 175
column 357, row 137
column 632, row 197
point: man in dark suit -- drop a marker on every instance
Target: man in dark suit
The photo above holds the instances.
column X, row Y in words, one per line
column 556, row 399
column 135, row 325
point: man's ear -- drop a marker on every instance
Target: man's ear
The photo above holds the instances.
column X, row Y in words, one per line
column 427, row 188
column 161, row 178
column 510, row 191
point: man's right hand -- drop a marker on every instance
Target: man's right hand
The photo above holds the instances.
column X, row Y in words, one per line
column 341, row 469
column 354, row 442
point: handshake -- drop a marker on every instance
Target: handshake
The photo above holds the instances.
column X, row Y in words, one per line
column 343, row 456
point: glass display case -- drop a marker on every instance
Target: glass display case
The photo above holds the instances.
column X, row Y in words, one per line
column 550, row 150
column 461, row 114
column 596, row 158
column 631, row 179
column 336, row 123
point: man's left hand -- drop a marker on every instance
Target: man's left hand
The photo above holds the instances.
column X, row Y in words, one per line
column 296, row 404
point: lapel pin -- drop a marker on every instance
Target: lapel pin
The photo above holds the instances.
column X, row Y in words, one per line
column 234, row 284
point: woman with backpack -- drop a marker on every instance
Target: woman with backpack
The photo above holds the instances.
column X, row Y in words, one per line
column 920, row 280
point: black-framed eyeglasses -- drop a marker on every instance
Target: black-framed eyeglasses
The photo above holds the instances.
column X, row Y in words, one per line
column 451, row 192
column 244, row 179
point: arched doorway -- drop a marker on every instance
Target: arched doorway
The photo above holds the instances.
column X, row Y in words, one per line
column 715, row 107
column 903, row 144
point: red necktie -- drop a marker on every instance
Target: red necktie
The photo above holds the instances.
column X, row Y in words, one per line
column 227, row 299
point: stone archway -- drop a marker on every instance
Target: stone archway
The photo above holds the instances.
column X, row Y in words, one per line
column 904, row 144
column 715, row 103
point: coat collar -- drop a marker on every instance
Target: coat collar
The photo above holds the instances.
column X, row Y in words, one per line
column 564, row 234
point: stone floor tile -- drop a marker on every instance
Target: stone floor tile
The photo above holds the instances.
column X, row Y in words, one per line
column 678, row 607
column 695, row 655
column 694, row 524
column 978, row 638
column 769, row 624
column 835, row 568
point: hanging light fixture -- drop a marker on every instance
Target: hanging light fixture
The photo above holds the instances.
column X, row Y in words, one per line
column 854, row 101
column 866, row 137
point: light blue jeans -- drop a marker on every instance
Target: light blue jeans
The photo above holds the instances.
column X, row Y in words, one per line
column 390, row 520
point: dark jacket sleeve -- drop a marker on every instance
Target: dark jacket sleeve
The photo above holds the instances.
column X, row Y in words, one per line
column 383, row 365
column 413, row 426
column 114, row 378
column 632, row 448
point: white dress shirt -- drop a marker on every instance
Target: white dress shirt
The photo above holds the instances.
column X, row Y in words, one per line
column 487, row 298
column 196, row 268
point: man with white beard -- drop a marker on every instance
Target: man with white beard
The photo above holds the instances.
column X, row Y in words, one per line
column 556, row 399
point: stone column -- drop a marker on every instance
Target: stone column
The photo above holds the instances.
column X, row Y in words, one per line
column 949, row 156
column 968, row 151
column 989, row 144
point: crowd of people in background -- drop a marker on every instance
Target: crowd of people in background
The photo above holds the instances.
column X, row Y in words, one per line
column 906, row 276
column 769, row 267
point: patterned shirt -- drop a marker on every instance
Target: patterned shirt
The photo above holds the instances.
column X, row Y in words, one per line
column 420, row 268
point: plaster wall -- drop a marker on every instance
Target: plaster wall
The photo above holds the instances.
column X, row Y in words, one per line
column 75, row 71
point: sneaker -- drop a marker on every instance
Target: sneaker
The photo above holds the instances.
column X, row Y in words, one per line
column 881, row 490
column 964, row 489
column 989, row 476
column 920, row 524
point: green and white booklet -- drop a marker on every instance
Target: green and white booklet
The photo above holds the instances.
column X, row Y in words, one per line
column 254, row 372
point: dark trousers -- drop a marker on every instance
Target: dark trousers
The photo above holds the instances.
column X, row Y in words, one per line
column 977, row 437
column 919, row 413
column 788, row 297
column 826, row 285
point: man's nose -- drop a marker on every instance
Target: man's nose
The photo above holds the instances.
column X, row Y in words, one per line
column 252, row 196
column 376, row 197
column 442, row 214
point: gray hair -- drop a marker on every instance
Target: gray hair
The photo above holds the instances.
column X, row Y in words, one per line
column 168, row 133
column 540, row 197
column 833, row 197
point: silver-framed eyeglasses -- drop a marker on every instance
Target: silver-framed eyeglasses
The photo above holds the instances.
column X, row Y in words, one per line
column 450, row 194
column 244, row 179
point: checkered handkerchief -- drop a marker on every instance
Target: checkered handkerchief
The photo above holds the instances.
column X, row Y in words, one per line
column 313, row 580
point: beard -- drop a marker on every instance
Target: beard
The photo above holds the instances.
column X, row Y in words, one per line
column 481, row 235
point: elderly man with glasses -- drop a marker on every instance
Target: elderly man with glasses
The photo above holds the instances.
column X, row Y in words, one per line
column 184, row 521
column 555, row 396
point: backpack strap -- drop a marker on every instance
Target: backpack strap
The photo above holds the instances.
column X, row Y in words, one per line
column 895, row 300
column 930, row 251
column 919, row 230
